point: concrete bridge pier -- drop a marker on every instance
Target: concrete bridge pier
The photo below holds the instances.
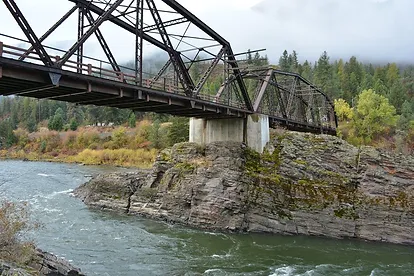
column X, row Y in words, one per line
column 254, row 131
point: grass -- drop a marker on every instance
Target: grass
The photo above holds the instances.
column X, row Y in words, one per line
column 119, row 157
column 126, row 147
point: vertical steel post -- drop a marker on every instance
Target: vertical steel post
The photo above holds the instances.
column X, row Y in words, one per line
column 139, row 43
column 81, row 28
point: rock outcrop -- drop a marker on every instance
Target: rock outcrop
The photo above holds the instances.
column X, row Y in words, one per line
column 44, row 264
column 50, row 264
column 303, row 184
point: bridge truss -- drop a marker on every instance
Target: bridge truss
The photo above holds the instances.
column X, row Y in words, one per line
column 152, row 27
column 290, row 100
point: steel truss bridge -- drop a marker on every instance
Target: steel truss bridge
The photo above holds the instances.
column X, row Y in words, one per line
column 28, row 67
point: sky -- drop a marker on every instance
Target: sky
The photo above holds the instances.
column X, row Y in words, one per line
column 377, row 31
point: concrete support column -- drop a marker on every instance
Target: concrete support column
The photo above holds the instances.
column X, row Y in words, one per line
column 254, row 131
column 197, row 131
column 257, row 132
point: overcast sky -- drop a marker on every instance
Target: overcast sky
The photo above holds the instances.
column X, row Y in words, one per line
column 372, row 30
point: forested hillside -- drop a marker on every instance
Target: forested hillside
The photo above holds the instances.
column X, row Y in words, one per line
column 374, row 104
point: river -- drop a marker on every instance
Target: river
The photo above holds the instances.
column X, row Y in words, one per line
column 108, row 244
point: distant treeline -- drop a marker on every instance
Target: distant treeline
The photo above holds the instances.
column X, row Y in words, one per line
column 347, row 79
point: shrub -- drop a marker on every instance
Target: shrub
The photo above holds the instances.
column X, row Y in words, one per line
column 140, row 139
column 94, row 146
column 86, row 138
column 22, row 137
column 69, row 140
column 52, row 140
column 120, row 138
column 43, row 146
column 14, row 223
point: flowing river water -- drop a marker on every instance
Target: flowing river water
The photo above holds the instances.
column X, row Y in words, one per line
column 102, row 243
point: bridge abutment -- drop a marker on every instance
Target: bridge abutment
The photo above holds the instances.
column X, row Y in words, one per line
column 254, row 131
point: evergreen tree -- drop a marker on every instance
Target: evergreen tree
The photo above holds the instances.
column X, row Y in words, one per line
column 323, row 74
column 132, row 121
column 257, row 60
column 397, row 95
column 155, row 134
column 293, row 62
column 178, row 131
column 392, row 75
column 56, row 122
column 407, row 116
column 7, row 137
column 307, row 72
column 73, row 125
column 284, row 61
column 249, row 57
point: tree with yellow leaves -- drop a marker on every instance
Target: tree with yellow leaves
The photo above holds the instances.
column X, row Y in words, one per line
column 343, row 110
column 373, row 115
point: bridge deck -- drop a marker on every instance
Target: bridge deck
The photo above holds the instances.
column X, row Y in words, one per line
column 32, row 80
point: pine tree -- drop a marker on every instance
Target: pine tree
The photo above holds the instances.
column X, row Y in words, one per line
column 73, row 125
column 307, row 71
column 132, row 121
column 284, row 61
column 393, row 74
column 323, row 74
column 178, row 131
column 249, row 57
column 294, row 63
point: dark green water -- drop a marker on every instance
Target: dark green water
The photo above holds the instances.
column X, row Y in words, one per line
column 107, row 244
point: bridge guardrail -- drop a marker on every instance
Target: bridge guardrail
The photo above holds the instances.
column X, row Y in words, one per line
column 165, row 84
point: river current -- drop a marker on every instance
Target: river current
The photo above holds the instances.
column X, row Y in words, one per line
column 102, row 243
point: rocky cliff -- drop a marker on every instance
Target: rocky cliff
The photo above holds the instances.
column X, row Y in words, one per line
column 302, row 184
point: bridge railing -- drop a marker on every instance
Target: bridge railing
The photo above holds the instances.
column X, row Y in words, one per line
column 92, row 69
column 226, row 102
column 97, row 70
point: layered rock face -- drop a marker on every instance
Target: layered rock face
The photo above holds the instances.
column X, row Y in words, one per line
column 302, row 184
column 45, row 264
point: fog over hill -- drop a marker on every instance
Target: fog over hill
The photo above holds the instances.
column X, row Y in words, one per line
column 373, row 30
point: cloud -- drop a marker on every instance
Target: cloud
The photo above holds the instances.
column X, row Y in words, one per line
column 375, row 30
column 372, row 30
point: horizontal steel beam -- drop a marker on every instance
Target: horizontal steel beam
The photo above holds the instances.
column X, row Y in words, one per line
column 166, row 24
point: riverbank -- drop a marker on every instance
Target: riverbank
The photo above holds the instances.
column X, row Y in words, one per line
column 302, row 185
column 90, row 146
column 119, row 157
